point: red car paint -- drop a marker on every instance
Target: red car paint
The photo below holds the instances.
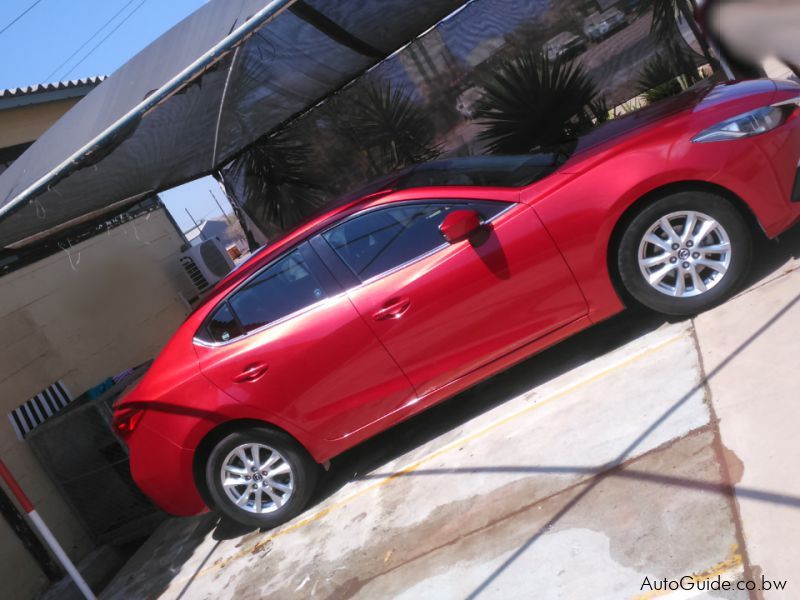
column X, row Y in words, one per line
column 373, row 355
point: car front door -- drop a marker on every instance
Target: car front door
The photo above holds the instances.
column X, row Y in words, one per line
column 443, row 310
column 290, row 343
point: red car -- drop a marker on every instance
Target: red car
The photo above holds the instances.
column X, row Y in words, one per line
column 455, row 270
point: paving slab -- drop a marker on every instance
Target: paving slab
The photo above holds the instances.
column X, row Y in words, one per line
column 598, row 539
column 751, row 353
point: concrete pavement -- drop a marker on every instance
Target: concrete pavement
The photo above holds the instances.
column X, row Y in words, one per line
column 637, row 451
column 751, row 351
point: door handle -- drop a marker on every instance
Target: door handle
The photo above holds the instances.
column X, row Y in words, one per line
column 393, row 309
column 251, row 373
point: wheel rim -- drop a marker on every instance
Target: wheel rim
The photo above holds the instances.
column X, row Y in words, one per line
column 684, row 254
column 257, row 478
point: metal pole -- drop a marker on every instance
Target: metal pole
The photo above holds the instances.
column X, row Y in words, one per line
column 200, row 231
column 726, row 68
column 25, row 533
column 219, row 206
column 252, row 246
column 45, row 532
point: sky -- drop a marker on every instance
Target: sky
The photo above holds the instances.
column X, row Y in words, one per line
column 103, row 35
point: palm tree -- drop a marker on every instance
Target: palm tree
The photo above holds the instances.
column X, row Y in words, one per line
column 281, row 187
column 530, row 103
column 389, row 126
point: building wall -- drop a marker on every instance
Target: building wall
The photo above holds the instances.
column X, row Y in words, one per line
column 27, row 123
column 776, row 69
column 107, row 305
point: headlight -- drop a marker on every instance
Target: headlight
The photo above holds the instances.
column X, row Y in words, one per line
column 750, row 123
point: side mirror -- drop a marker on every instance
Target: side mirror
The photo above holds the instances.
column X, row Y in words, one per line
column 460, row 225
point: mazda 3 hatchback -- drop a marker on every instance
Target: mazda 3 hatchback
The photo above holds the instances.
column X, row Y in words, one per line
column 444, row 275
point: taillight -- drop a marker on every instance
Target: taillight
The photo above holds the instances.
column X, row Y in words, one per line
column 126, row 419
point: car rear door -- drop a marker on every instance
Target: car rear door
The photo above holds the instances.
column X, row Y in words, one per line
column 289, row 342
column 443, row 310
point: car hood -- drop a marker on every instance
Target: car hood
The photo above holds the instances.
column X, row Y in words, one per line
column 734, row 90
column 621, row 126
column 701, row 97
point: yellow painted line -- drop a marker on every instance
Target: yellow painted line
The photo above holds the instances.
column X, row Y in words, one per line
column 728, row 566
column 222, row 563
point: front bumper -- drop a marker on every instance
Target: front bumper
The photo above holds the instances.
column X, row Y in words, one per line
column 763, row 171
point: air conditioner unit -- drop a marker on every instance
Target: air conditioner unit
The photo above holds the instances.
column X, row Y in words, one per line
column 206, row 263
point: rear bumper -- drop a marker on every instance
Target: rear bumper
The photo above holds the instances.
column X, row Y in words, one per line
column 163, row 471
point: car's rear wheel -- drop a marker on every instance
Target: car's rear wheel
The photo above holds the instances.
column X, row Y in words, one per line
column 260, row 477
column 685, row 253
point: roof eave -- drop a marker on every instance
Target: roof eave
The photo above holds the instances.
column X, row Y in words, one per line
column 42, row 94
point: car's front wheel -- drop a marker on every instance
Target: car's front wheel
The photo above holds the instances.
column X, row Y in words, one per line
column 260, row 477
column 685, row 253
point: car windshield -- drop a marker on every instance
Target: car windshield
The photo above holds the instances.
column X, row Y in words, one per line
column 490, row 171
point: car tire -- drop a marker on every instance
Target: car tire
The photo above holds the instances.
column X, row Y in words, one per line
column 678, row 272
column 272, row 490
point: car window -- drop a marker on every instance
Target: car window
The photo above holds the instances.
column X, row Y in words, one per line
column 382, row 239
column 282, row 288
column 223, row 326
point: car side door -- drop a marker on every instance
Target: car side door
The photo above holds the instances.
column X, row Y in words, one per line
column 290, row 343
column 441, row 309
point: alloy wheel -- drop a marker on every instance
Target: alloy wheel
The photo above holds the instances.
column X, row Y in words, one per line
column 684, row 254
column 257, row 478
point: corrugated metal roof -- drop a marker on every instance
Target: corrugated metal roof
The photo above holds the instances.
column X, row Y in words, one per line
column 51, row 87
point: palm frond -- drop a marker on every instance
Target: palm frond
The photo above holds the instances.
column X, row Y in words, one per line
column 664, row 22
column 668, row 73
column 392, row 128
column 531, row 102
column 281, row 186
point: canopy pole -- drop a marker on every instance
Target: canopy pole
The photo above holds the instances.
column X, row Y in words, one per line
column 222, row 105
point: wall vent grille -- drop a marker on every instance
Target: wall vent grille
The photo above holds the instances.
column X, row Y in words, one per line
column 32, row 413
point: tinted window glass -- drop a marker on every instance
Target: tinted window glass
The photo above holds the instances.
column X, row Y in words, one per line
column 222, row 326
column 383, row 239
column 281, row 289
column 501, row 171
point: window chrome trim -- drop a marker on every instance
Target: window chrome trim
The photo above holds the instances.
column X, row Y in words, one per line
column 795, row 101
column 338, row 296
column 430, row 252
column 297, row 313
column 296, row 248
